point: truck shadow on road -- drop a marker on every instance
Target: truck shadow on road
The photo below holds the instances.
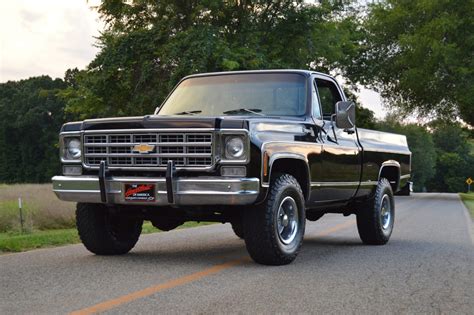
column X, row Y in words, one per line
column 191, row 254
column 314, row 249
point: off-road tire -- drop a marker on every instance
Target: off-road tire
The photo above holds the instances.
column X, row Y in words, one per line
column 369, row 219
column 261, row 234
column 237, row 227
column 103, row 233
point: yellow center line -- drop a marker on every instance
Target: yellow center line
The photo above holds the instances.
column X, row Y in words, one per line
column 110, row 304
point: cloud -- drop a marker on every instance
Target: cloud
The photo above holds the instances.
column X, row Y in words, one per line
column 46, row 37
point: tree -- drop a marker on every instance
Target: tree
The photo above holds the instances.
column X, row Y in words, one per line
column 420, row 55
column 421, row 145
column 365, row 118
column 148, row 46
column 30, row 118
column 454, row 161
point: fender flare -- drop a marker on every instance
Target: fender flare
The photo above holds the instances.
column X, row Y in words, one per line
column 292, row 156
column 391, row 163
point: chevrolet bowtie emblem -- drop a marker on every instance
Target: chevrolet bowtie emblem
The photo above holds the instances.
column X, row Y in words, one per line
column 143, row 148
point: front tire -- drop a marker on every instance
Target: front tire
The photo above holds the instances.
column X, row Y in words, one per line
column 237, row 227
column 103, row 233
column 274, row 231
column 376, row 218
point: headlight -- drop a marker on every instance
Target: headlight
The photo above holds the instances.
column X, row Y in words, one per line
column 72, row 149
column 234, row 147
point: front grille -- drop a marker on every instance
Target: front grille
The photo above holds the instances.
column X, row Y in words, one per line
column 187, row 150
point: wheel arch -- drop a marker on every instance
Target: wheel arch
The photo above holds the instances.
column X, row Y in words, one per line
column 292, row 164
column 391, row 171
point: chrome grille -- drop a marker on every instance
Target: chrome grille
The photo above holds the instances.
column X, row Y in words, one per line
column 187, row 150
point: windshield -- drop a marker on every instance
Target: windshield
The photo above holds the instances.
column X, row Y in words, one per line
column 272, row 94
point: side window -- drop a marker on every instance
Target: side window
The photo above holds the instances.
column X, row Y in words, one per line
column 316, row 106
column 328, row 95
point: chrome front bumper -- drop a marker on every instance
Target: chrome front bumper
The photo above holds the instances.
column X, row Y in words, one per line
column 187, row 191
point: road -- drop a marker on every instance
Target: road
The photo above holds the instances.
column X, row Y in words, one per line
column 427, row 267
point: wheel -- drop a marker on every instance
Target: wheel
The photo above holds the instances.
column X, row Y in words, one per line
column 273, row 231
column 237, row 227
column 103, row 233
column 376, row 218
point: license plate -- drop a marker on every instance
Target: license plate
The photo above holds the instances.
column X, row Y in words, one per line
column 139, row 192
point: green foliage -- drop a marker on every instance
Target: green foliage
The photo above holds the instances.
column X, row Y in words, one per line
column 454, row 161
column 30, row 118
column 148, row 46
column 421, row 144
column 365, row 118
column 420, row 55
column 441, row 154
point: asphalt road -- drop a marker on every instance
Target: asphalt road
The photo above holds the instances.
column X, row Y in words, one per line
column 427, row 267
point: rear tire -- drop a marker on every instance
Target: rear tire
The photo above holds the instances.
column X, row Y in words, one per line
column 376, row 218
column 103, row 233
column 274, row 230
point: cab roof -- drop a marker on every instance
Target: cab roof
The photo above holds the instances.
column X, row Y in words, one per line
column 306, row 73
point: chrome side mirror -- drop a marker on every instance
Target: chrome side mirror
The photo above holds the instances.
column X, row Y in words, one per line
column 345, row 115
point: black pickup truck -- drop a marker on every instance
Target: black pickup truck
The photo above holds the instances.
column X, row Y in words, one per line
column 263, row 150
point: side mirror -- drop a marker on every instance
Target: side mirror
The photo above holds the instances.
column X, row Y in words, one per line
column 345, row 115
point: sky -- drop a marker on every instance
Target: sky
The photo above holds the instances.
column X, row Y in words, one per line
column 47, row 37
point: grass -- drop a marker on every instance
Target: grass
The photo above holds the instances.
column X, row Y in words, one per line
column 19, row 242
column 48, row 221
column 42, row 210
column 468, row 200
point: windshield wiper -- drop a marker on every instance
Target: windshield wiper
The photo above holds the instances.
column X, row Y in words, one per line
column 254, row 111
column 191, row 112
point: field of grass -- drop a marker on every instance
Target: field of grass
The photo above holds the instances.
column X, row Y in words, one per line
column 468, row 200
column 48, row 221
column 41, row 209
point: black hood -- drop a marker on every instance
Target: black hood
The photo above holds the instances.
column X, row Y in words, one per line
column 157, row 122
column 168, row 122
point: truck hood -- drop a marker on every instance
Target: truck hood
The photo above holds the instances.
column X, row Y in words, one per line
column 170, row 122
column 157, row 122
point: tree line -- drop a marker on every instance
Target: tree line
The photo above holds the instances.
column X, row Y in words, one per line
column 417, row 54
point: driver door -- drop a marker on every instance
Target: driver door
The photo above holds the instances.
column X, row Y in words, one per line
column 341, row 155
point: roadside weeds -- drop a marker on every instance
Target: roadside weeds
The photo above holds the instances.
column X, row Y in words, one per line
column 13, row 242
column 468, row 200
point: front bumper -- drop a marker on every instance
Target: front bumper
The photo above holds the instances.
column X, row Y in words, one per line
column 187, row 191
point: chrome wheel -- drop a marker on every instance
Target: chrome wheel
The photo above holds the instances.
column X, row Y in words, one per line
column 287, row 220
column 386, row 213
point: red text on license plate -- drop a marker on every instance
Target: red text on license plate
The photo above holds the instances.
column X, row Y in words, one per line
column 139, row 192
